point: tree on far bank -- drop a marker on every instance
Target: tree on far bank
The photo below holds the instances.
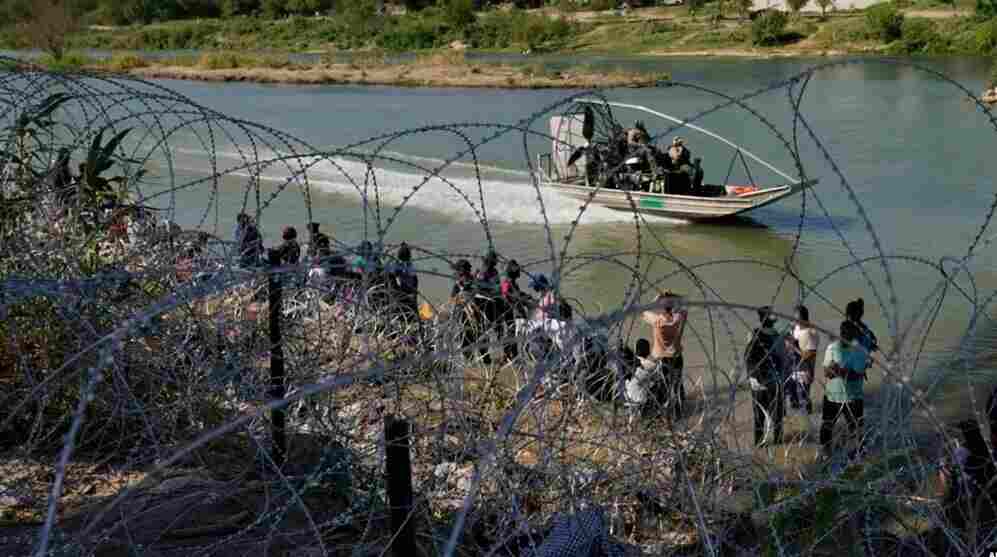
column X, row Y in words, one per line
column 308, row 7
column 795, row 6
column 274, row 9
column 229, row 8
column 744, row 8
column 48, row 24
column 824, row 5
column 459, row 13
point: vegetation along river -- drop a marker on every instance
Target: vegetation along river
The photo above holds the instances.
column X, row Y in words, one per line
column 916, row 154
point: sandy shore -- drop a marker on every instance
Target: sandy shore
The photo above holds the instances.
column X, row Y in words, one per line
column 456, row 75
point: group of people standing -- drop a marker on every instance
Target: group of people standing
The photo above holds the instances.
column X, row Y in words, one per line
column 326, row 265
column 486, row 300
column 781, row 367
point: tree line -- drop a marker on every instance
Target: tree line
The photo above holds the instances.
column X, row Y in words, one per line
column 125, row 12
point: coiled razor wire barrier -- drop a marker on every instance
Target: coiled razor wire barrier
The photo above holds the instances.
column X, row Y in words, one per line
column 135, row 360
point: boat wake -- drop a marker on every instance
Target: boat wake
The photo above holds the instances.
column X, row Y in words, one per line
column 497, row 195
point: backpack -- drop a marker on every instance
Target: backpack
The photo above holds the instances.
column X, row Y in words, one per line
column 760, row 356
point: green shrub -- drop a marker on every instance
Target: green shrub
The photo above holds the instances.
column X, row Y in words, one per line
column 516, row 27
column 232, row 60
column 71, row 61
column 768, row 29
column 459, row 13
column 919, row 36
column 126, row 61
column 884, row 22
column 411, row 33
column 986, row 8
column 602, row 5
column 985, row 37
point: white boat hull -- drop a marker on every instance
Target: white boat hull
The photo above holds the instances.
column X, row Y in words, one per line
column 686, row 207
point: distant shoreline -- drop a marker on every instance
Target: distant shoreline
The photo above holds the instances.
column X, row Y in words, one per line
column 445, row 69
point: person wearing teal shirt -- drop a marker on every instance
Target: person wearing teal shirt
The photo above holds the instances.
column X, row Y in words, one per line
column 845, row 362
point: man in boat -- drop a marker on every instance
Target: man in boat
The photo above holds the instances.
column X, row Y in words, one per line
column 638, row 144
column 678, row 154
column 684, row 175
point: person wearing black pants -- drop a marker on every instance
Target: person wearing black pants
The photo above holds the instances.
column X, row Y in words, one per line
column 765, row 359
column 853, row 411
column 845, row 362
column 768, row 401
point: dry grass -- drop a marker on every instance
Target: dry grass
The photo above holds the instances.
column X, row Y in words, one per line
column 439, row 69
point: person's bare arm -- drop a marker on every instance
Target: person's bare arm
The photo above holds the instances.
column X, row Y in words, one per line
column 834, row 370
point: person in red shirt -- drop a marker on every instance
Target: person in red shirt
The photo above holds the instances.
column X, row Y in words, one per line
column 667, row 326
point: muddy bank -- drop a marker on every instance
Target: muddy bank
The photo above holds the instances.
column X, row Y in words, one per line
column 463, row 75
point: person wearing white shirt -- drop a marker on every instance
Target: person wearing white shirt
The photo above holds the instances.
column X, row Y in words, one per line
column 806, row 343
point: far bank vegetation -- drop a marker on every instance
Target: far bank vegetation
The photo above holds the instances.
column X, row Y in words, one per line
column 898, row 27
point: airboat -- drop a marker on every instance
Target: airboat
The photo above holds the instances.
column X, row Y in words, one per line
column 589, row 162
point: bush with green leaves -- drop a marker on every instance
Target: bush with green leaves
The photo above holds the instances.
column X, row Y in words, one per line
column 768, row 29
column 986, row 8
column 885, row 22
column 519, row 28
column 919, row 36
column 459, row 14
column 984, row 39
column 412, row 33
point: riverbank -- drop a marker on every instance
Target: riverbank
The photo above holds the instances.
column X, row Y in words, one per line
column 443, row 69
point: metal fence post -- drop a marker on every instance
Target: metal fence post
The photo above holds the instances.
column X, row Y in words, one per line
column 277, row 389
column 399, row 470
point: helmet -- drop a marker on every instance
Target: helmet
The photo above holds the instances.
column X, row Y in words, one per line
column 404, row 253
column 512, row 269
column 289, row 233
column 462, row 266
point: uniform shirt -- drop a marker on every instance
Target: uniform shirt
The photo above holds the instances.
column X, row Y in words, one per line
column 667, row 331
column 849, row 357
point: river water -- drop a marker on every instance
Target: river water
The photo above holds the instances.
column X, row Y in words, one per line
column 918, row 162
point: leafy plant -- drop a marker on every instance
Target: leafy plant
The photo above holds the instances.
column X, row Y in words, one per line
column 768, row 29
column 919, row 36
column 885, row 22
column 986, row 8
column 459, row 13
